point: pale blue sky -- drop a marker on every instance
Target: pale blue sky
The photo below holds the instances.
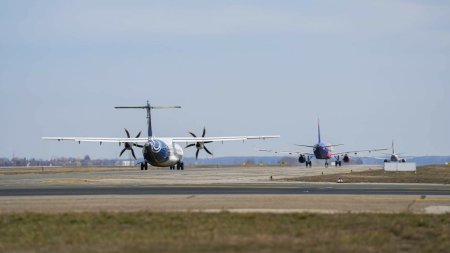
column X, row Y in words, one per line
column 373, row 71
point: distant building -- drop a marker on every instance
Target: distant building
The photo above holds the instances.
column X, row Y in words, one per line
column 127, row 163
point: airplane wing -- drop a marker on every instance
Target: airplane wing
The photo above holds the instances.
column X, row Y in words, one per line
column 389, row 156
column 285, row 152
column 97, row 139
column 173, row 139
column 221, row 139
column 360, row 151
column 305, row 146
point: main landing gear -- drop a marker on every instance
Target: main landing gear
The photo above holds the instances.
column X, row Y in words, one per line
column 144, row 166
column 179, row 166
column 308, row 163
column 326, row 164
column 338, row 161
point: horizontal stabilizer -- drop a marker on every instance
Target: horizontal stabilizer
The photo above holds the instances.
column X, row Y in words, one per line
column 334, row 145
column 306, row 146
column 151, row 107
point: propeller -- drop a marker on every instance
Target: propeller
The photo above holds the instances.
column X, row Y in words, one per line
column 130, row 145
column 199, row 145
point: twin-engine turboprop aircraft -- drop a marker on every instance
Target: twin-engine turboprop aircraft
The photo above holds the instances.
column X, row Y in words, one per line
column 160, row 152
column 322, row 151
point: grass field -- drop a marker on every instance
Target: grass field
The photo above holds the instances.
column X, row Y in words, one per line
column 223, row 232
column 438, row 174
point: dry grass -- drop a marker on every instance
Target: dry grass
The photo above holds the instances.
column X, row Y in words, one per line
column 428, row 174
column 224, row 232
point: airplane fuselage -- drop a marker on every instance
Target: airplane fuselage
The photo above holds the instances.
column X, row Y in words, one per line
column 322, row 151
column 162, row 153
column 394, row 158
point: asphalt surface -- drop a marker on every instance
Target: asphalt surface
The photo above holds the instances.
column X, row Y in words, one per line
column 299, row 189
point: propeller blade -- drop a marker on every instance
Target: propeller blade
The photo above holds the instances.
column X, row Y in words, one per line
column 207, row 151
column 204, row 132
column 132, row 152
column 123, row 150
column 138, row 145
column 128, row 133
column 196, row 154
column 139, row 134
column 206, row 142
column 190, row 145
column 193, row 135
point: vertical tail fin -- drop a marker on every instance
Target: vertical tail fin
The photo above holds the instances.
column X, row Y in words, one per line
column 393, row 149
column 318, row 129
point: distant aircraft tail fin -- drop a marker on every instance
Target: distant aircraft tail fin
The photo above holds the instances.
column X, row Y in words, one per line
column 148, row 107
column 393, row 148
column 318, row 129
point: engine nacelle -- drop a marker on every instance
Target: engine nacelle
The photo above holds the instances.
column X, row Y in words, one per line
column 346, row 158
column 403, row 161
column 386, row 161
column 302, row 159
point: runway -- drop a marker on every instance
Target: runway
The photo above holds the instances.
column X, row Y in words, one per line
column 255, row 189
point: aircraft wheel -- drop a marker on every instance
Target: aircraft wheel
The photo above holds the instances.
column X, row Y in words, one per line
column 146, row 166
column 326, row 165
column 340, row 163
column 142, row 166
column 178, row 166
column 182, row 166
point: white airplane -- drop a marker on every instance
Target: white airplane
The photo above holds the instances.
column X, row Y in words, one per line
column 394, row 157
column 160, row 152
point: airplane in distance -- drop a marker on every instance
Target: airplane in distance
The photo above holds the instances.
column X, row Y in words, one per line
column 156, row 151
column 322, row 151
column 394, row 157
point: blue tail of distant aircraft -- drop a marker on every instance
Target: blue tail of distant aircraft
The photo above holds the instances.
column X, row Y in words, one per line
column 318, row 129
